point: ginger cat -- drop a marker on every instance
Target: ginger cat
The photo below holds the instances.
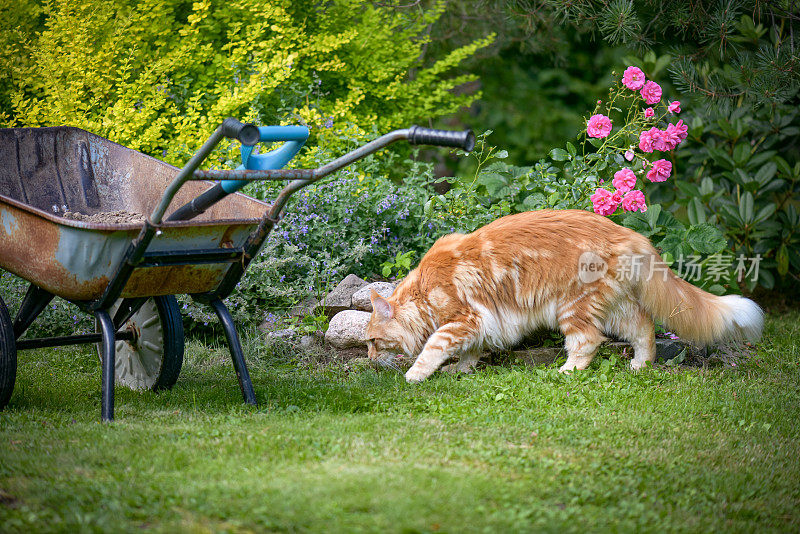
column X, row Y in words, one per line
column 569, row 269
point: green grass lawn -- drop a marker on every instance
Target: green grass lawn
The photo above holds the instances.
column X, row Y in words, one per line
column 509, row 449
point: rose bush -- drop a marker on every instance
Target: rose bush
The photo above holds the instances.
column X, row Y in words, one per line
column 628, row 144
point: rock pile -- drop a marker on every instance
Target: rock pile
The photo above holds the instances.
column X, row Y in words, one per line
column 348, row 306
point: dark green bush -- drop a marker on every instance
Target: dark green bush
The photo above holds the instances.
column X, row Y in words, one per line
column 742, row 175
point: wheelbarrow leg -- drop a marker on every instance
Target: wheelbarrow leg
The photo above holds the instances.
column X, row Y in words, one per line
column 107, row 377
column 35, row 301
column 236, row 350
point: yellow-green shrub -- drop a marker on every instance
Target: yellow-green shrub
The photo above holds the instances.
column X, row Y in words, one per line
column 159, row 75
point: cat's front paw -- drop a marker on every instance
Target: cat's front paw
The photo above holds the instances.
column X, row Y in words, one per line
column 415, row 375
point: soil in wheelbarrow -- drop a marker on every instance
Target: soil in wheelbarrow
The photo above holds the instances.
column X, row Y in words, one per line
column 106, row 217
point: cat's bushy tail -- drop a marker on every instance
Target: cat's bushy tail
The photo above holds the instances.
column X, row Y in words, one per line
column 697, row 315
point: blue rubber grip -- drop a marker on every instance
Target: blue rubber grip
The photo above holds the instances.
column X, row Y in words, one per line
column 294, row 137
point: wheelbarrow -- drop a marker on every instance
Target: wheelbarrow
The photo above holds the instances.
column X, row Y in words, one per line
column 126, row 272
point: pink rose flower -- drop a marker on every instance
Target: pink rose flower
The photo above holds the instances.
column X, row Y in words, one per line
column 634, row 201
column 624, row 180
column 602, row 202
column 660, row 140
column 598, row 126
column 646, row 141
column 616, row 197
column 652, row 139
column 674, row 107
column 649, row 113
column 651, row 92
column 633, row 78
column 681, row 130
column 660, row 171
column 629, row 155
column 672, row 137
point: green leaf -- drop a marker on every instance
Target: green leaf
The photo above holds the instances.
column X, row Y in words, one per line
column 716, row 289
column 732, row 215
column 705, row 239
column 673, row 246
column 766, row 173
column 651, row 215
column 792, row 215
column 706, row 186
column 721, row 158
column 534, row 201
column 428, row 207
column 746, row 208
column 774, row 185
column 765, row 213
column 503, row 154
column 741, row 177
column 559, row 154
column 766, row 279
column 688, row 189
column 638, row 223
column 597, row 143
column 571, row 149
column 760, row 158
column 696, row 211
column 783, row 166
column 782, row 258
column 741, row 154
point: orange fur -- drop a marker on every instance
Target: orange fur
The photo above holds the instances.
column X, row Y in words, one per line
column 521, row 272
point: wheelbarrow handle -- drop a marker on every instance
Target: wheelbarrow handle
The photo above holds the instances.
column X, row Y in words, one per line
column 428, row 136
column 247, row 133
column 269, row 168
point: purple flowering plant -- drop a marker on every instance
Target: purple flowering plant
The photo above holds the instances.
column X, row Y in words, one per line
column 351, row 222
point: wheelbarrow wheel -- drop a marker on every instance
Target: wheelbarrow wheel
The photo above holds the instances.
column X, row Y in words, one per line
column 8, row 356
column 153, row 358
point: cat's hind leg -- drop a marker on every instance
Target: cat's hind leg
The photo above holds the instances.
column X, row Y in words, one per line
column 631, row 323
column 447, row 341
column 582, row 337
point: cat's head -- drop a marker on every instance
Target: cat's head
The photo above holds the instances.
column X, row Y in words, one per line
column 387, row 334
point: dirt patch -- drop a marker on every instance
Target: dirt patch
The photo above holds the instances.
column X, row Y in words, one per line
column 106, row 217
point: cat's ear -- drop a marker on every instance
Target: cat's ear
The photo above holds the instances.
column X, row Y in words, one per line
column 380, row 305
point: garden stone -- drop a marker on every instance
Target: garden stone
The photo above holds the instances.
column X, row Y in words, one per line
column 668, row 349
column 341, row 297
column 348, row 329
column 283, row 335
column 361, row 298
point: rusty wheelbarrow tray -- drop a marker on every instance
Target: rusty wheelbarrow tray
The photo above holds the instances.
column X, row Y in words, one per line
column 125, row 273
